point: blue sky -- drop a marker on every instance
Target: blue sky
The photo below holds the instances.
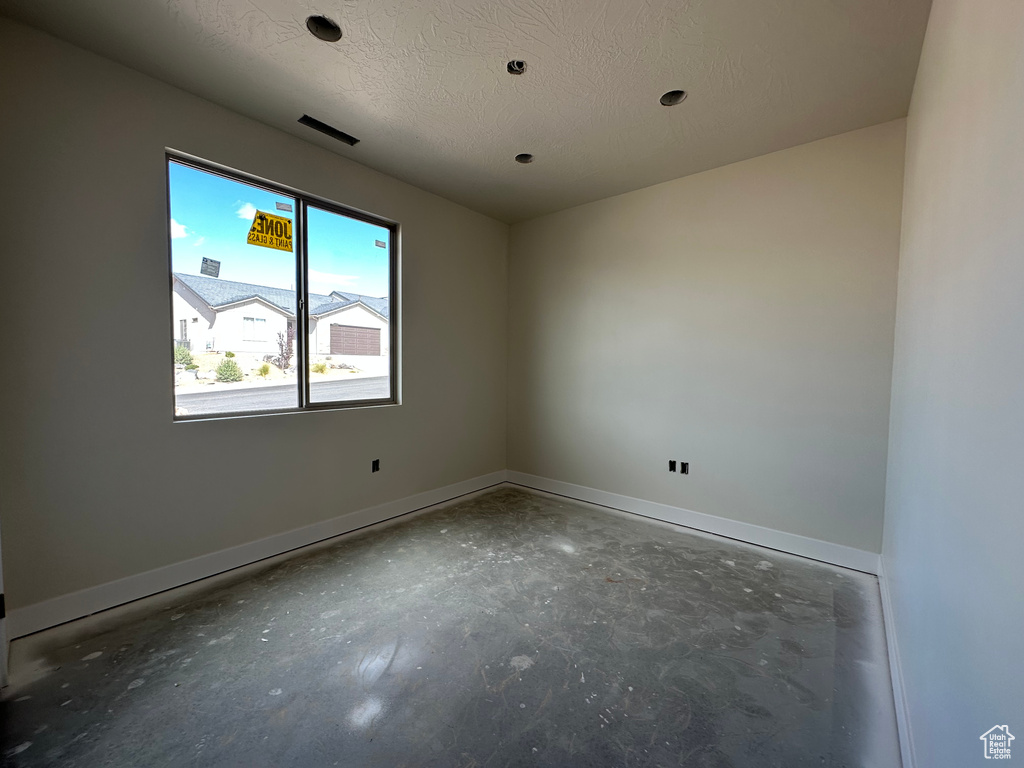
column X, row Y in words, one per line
column 211, row 216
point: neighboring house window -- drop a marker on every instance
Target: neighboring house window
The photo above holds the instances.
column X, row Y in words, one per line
column 254, row 329
column 321, row 276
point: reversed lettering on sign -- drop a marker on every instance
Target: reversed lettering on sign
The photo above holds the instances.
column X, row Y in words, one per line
column 270, row 231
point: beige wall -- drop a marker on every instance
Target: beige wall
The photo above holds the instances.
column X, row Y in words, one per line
column 97, row 482
column 954, row 526
column 739, row 319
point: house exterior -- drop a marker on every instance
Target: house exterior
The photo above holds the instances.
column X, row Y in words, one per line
column 211, row 314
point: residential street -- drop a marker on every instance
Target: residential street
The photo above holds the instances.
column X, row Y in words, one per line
column 280, row 396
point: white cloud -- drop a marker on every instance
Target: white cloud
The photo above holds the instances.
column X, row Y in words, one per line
column 247, row 211
column 325, row 282
column 200, row 241
column 178, row 230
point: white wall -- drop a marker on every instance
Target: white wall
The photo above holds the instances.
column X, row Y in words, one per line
column 196, row 324
column 97, row 482
column 954, row 527
column 229, row 333
column 739, row 319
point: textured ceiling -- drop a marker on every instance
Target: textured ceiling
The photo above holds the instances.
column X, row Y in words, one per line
column 423, row 83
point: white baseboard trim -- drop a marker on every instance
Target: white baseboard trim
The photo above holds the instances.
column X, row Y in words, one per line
column 75, row 605
column 896, row 671
column 794, row 544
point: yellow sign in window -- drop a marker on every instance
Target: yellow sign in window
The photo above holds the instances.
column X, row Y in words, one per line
column 271, row 231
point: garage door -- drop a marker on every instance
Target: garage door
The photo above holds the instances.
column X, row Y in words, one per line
column 352, row 340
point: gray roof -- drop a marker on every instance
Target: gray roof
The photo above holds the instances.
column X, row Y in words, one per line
column 218, row 293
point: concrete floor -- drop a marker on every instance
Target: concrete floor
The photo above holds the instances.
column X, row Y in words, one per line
column 509, row 629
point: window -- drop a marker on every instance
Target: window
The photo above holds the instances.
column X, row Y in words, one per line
column 254, row 329
column 291, row 296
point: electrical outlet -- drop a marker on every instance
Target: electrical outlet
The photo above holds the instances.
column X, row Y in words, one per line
column 684, row 467
column 672, row 465
column 375, row 466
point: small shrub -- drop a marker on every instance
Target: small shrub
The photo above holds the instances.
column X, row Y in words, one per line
column 191, row 367
column 229, row 354
column 263, row 370
column 318, row 367
column 229, row 371
column 182, row 356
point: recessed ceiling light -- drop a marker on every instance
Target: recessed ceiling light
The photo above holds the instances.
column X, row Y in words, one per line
column 672, row 98
column 524, row 158
column 516, row 67
column 323, row 28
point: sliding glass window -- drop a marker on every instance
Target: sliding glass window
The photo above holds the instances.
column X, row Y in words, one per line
column 280, row 301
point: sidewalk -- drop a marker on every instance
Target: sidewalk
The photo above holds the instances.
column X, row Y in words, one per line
column 212, row 385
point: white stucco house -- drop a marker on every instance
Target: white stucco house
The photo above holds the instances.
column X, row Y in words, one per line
column 211, row 314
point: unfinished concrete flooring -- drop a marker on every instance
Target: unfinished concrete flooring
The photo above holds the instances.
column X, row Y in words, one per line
column 512, row 629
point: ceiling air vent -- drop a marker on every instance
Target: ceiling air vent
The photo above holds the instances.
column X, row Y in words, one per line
column 334, row 133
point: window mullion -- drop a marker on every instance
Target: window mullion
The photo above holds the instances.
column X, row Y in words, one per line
column 302, row 310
